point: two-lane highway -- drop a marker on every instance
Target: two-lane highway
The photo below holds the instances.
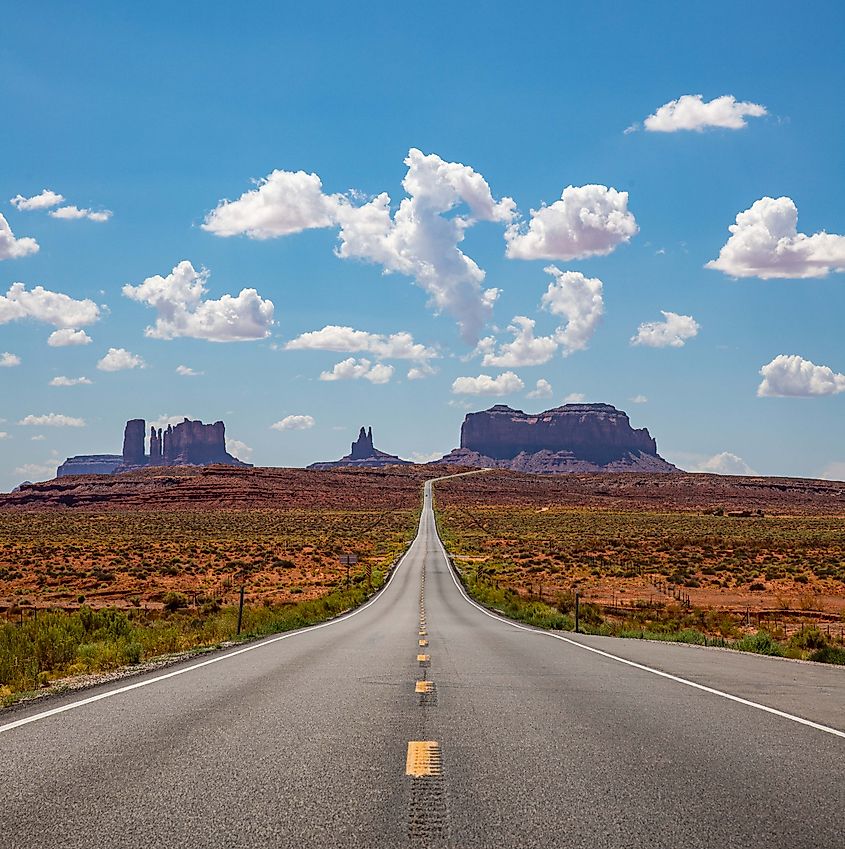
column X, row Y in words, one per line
column 421, row 719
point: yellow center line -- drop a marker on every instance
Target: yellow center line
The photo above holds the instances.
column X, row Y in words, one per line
column 423, row 758
column 423, row 687
column 423, row 658
column 423, row 643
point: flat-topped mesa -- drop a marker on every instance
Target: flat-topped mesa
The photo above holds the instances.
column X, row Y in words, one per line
column 571, row 438
column 596, row 432
column 363, row 454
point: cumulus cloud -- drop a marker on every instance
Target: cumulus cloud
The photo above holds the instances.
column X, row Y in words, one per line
column 119, row 359
column 40, row 304
column 4, row 435
column 504, row 384
column 418, row 240
column 578, row 299
column 284, row 202
column 543, row 389
column 9, row 360
column 399, row 346
column 11, row 247
column 638, row 399
column 692, row 112
column 672, row 332
column 575, row 398
column 765, row 243
column 526, row 349
column 61, row 380
column 421, row 371
column 74, row 212
column 239, row 449
column 187, row 371
column 294, row 423
column 354, row 369
column 178, row 300
column 67, row 336
column 44, row 200
column 725, row 463
column 52, row 420
column 792, row 376
column 587, row 221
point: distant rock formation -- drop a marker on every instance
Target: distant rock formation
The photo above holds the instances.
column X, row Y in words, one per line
column 571, row 438
column 90, row 464
column 363, row 453
column 189, row 443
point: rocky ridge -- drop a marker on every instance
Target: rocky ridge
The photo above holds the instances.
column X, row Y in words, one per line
column 362, row 455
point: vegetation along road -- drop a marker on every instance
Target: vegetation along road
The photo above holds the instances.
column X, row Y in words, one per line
column 422, row 719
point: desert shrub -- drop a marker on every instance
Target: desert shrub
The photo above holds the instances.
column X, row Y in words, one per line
column 809, row 638
column 174, row 601
column 760, row 643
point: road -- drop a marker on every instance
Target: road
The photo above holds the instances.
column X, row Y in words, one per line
column 302, row 740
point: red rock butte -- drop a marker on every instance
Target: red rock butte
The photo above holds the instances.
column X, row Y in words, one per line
column 571, row 438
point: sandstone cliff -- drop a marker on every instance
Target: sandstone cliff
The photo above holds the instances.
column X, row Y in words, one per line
column 571, row 438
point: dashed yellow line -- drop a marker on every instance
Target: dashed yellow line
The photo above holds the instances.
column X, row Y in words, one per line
column 423, row 758
column 423, row 658
column 423, row 643
column 424, row 687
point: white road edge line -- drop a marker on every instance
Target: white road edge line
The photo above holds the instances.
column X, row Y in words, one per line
column 10, row 726
column 677, row 679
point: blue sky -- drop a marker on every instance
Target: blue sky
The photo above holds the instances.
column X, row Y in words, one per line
column 158, row 113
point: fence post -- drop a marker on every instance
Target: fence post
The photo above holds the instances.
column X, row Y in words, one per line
column 577, row 610
column 241, row 610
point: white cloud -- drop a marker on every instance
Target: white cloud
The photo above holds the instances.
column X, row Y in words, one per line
column 119, row 359
column 74, row 212
column 526, row 349
column 40, row 304
column 239, row 449
column 187, row 371
column 399, row 346
column 61, row 380
column 791, row 375
column 12, row 248
column 52, row 420
column 575, row 398
column 505, row 383
column 283, row 203
column 38, row 471
column 423, row 457
column 587, row 221
column 834, row 471
column 4, row 435
column 543, row 389
column 672, row 332
column 67, row 336
column 639, row 399
column 39, row 437
column 354, row 369
column 421, row 371
column 765, row 243
column 294, row 423
column 578, row 299
column 9, row 360
column 417, row 240
column 178, row 300
column 725, row 463
column 44, row 200
column 692, row 112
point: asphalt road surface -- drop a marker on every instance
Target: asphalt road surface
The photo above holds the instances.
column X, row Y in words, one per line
column 523, row 739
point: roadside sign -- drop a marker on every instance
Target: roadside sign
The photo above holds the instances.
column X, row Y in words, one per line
column 348, row 559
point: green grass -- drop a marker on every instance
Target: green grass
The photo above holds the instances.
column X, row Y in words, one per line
column 60, row 644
